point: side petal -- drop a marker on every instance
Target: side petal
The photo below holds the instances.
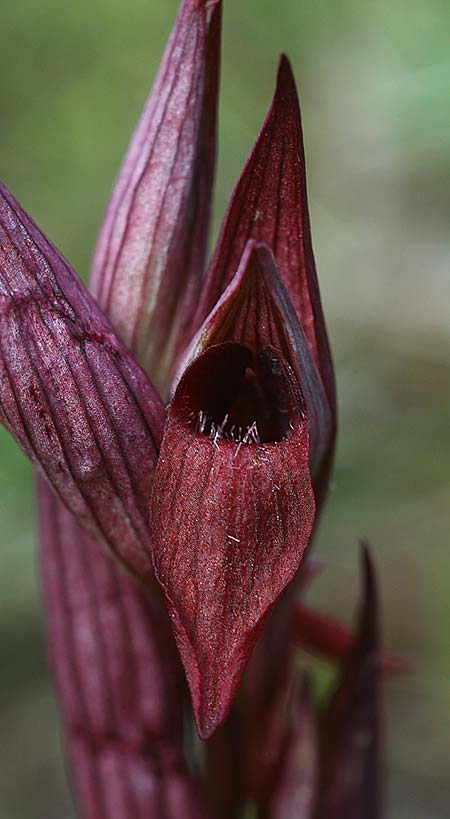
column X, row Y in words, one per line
column 269, row 205
column 70, row 393
column 350, row 733
column 113, row 660
column 150, row 256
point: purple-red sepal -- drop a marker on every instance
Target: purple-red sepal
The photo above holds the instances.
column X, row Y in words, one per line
column 70, row 393
column 150, row 255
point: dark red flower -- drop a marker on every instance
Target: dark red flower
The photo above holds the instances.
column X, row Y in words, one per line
column 216, row 494
column 233, row 505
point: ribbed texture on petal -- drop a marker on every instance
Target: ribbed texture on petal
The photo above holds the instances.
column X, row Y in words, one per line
column 114, row 663
column 270, row 205
column 232, row 505
column 349, row 785
column 230, row 522
column 71, row 395
column 150, row 256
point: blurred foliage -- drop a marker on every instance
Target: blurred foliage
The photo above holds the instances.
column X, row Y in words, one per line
column 373, row 80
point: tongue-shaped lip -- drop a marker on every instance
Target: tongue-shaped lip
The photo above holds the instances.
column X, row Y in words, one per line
column 233, row 507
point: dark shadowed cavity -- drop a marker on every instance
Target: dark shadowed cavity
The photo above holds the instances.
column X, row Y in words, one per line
column 232, row 393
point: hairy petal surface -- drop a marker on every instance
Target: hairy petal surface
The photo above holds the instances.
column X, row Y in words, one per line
column 150, row 255
column 232, row 505
column 269, row 205
column 114, row 662
column 350, row 734
column 230, row 523
column 71, row 395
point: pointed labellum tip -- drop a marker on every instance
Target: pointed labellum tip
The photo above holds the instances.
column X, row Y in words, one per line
column 232, row 505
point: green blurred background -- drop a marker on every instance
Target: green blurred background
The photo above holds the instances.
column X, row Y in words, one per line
column 373, row 80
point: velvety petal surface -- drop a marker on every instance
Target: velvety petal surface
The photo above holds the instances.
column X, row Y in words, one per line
column 269, row 205
column 113, row 659
column 232, row 505
column 150, row 255
column 350, row 734
column 70, row 393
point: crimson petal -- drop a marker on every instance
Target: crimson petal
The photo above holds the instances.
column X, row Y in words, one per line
column 269, row 205
column 70, row 393
column 232, row 505
column 350, row 745
column 150, row 256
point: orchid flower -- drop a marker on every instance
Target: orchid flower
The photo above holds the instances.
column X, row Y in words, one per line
column 182, row 419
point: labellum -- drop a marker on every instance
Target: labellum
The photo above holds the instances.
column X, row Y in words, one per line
column 237, row 443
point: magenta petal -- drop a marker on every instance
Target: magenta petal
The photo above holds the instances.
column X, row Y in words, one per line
column 150, row 256
column 71, row 395
column 350, row 776
column 114, row 661
column 269, row 205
